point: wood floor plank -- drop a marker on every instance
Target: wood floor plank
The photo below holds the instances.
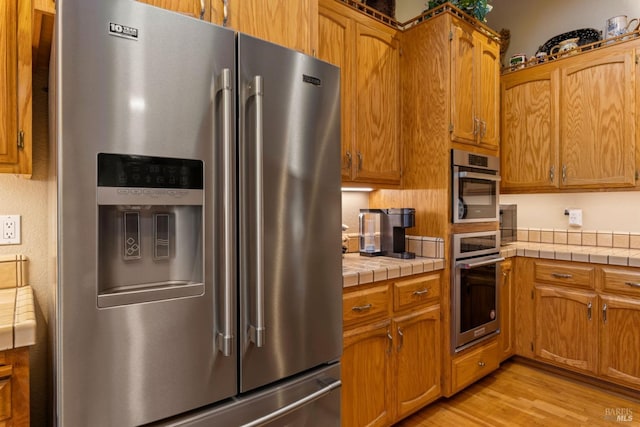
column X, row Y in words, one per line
column 522, row 395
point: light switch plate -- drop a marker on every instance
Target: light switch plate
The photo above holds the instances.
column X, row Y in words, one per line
column 10, row 230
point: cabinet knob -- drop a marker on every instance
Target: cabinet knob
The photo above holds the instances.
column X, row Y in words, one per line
column 481, row 364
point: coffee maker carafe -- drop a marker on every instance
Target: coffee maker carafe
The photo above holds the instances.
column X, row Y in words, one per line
column 382, row 232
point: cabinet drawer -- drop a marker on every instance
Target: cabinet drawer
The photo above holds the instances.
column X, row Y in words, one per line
column 408, row 293
column 621, row 281
column 475, row 365
column 565, row 274
column 365, row 305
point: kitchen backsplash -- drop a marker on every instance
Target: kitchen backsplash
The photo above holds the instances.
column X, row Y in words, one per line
column 606, row 239
column 428, row 247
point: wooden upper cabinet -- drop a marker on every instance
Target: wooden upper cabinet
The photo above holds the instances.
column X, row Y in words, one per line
column 15, row 87
column 475, row 87
column 194, row 8
column 528, row 156
column 376, row 126
column 368, row 55
column 290, row 23
column 334, row 33
column 463, row 117
column 597, row 116
column 571, row 123
column 566, row 327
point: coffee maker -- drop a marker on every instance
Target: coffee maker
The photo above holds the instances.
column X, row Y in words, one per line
column 382, row 232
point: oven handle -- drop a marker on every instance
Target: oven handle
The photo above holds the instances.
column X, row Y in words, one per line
column 468, row 266
column 475, row 175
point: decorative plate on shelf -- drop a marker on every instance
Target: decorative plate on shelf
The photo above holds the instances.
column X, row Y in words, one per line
column 586, row 35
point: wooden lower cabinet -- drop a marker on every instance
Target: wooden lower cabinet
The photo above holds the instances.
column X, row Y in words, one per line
column 417, row 360
column 14, row 387
column 366, row 374
column 620, row 339
column 566, row 327
column 581, row 317
column 474, row 365
column 391, row 367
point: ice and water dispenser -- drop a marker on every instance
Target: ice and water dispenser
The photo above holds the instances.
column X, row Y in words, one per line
column 150, row 229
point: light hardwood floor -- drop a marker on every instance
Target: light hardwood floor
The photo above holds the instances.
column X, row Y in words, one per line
column 522, row 395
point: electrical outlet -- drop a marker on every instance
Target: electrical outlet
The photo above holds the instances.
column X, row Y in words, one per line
column 9, row 229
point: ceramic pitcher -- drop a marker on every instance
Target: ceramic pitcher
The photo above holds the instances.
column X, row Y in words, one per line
column 619, row 25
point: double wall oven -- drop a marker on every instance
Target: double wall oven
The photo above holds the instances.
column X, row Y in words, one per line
column 475, row 267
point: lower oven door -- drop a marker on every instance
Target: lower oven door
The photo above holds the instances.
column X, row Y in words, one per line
column 475, row 299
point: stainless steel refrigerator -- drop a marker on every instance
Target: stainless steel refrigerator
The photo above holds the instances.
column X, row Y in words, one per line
column 195, row 186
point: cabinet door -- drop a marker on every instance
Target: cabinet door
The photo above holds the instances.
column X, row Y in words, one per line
column 529, row 144
column 366, row 375
column 417, row 367
column 194, row 8
column 290, row 23
column 335, row 45
column 598, row 122
column 377, row 104
column 488, row 91
column 8, row 81
column 464, row 125
column 619, row 339
column 506, row 339
column 566, row 327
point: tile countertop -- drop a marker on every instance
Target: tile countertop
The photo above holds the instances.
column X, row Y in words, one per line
column 360, row 270
column 17, row 314
column 591, row 254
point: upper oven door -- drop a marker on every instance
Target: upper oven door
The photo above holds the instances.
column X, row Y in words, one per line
column 475, row 195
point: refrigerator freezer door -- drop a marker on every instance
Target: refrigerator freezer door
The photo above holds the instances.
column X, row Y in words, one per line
column 310, row 400
column 132, row 79
column 290, row 208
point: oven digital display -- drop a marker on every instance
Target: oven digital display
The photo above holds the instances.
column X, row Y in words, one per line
column 477, row 243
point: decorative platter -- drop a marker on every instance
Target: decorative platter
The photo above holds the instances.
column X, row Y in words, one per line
column 586, row 35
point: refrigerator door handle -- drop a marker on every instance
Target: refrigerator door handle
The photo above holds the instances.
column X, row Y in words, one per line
column 257, row 330
column 294, row 405
column 225, row 338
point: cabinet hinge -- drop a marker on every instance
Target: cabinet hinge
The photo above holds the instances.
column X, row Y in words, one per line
column 532, row 346
column 450, row 127
column 637, row 60
column 532, row 294
column 637, row 174
column 450, row 35
column 21, row 140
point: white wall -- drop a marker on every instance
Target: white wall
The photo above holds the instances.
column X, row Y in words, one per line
column 28, row 198
column 407, row 9
column 352, row 202
column 532, row 23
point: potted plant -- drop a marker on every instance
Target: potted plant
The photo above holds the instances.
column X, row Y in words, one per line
column 476, row 8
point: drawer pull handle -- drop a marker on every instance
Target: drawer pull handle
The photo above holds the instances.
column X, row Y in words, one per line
column 421, row 292
column 481, row 364
column 632, row 284
column 562, row 275
column 361, row 308
column 604, row 313
column 589, row 310
column 390, row 338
